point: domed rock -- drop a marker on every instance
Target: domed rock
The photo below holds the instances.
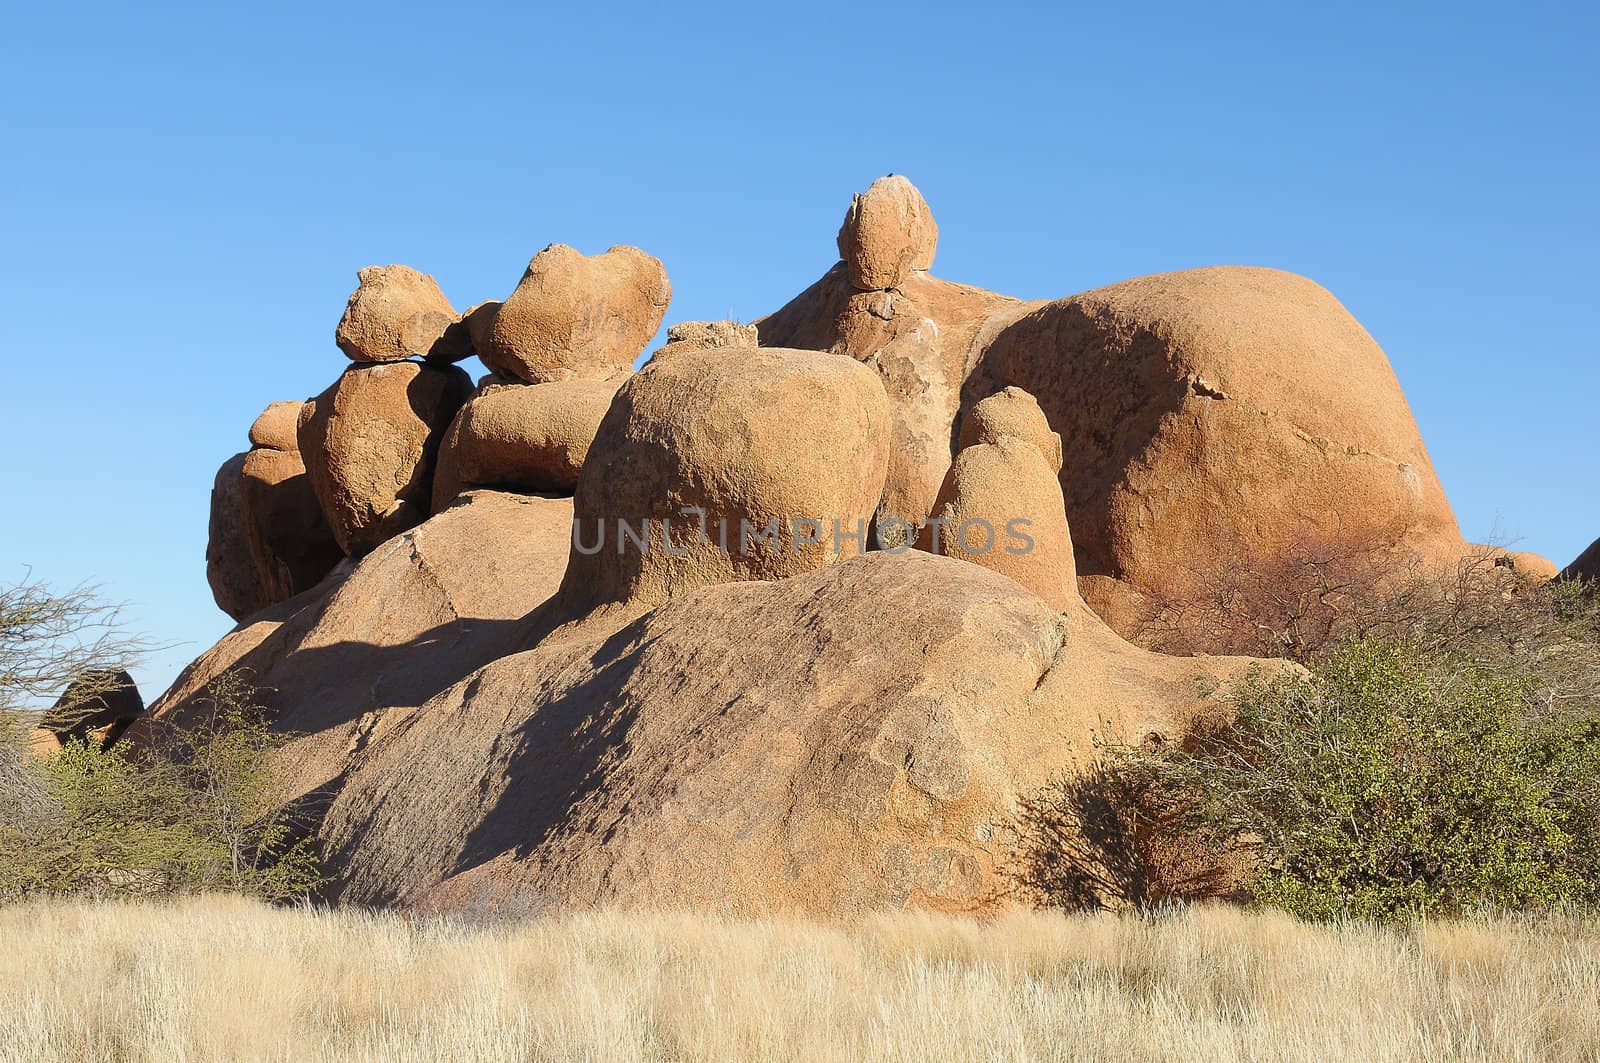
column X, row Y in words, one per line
column 230, row 570
column 1011, row 412
column 398, row 313
column 290, row 541
column 1225, row 405
column 578, row 316
column 888, row 233
column 523, row 437
column 689, row 336
column 369, row 443
column 850, row 739
column 1001, row 508
column 762, row 462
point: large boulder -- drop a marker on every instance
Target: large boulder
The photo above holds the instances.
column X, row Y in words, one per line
column 849, row 739
column 1586, row 566
column 578, row 316
column 397, row 313
column 725, row 465
column 230, row 569
column 522, row 437
column 888, row 233
column 390, row 631
column 369, row 443
column 1226, row 405
column 102, row 702
column 289, row 538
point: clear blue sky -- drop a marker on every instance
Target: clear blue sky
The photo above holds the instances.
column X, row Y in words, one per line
column 187, row 192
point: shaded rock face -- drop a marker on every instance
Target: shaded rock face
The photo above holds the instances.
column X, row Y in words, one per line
column 752, row 747
column 422, row 611
column 369, row 443
column 105, row 702
column 522, row 437
column 289, row 539
column 1228, row 404
column 1586, row 566
column 230, row 569
column 795, row 440
column 576, row 316
column 397, row 313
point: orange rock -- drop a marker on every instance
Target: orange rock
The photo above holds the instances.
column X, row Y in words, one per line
column 397, row 313
column 577, row 316
column 887, row 234
column 1011, row 412
column 369, row 442
column 689, row 336
column 289, row 539
column 230, row 571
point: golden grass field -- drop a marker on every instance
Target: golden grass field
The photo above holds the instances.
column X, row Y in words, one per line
column 216, row 979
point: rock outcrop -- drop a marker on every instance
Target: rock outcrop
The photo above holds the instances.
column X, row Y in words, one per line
column 369, row 443
column 727, row 465
column 522, row 437
column 397, row 313
column 852, row 738
column 576, row 316
column 288, row 537
column 230, row 569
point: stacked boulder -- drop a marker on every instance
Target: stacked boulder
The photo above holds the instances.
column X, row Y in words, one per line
column 369, row 441
column 557, row 348
column 289, row 540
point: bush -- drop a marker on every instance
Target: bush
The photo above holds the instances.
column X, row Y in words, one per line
column 195, row 810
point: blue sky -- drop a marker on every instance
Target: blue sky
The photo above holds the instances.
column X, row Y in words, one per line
column 187, row 192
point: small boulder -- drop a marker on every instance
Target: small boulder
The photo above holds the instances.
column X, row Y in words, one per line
column 1001, row 507
column 478, row 321
column 521, row 437
column 230, row 570
column 1011, row 412
column 888, row 233
column 577, row 316
column 104, row 701
column 398, row 313
column 369, row 442
column 689, row 336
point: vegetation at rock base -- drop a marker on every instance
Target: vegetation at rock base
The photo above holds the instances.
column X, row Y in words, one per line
column 1438, row 767
column 193, row 807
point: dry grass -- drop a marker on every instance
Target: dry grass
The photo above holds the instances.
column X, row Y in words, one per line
column 227, row 979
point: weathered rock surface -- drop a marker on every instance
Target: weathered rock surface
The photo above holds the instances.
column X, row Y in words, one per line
column 397, row 313
column 1586, row 566
column 1001, row 508
column 522, row 437
column 576, row 316
column 288, row 537
column 887, row 234
column 230, row 570
column 391, row 630
column 753, row 747
column 689, row 336
column 1223, row 405
column 1011, row 412
column 369, row 443
column 921, row 339
column 793, row 439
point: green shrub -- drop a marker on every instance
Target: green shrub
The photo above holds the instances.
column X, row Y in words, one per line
column 197, row 809
column 1394, row 780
